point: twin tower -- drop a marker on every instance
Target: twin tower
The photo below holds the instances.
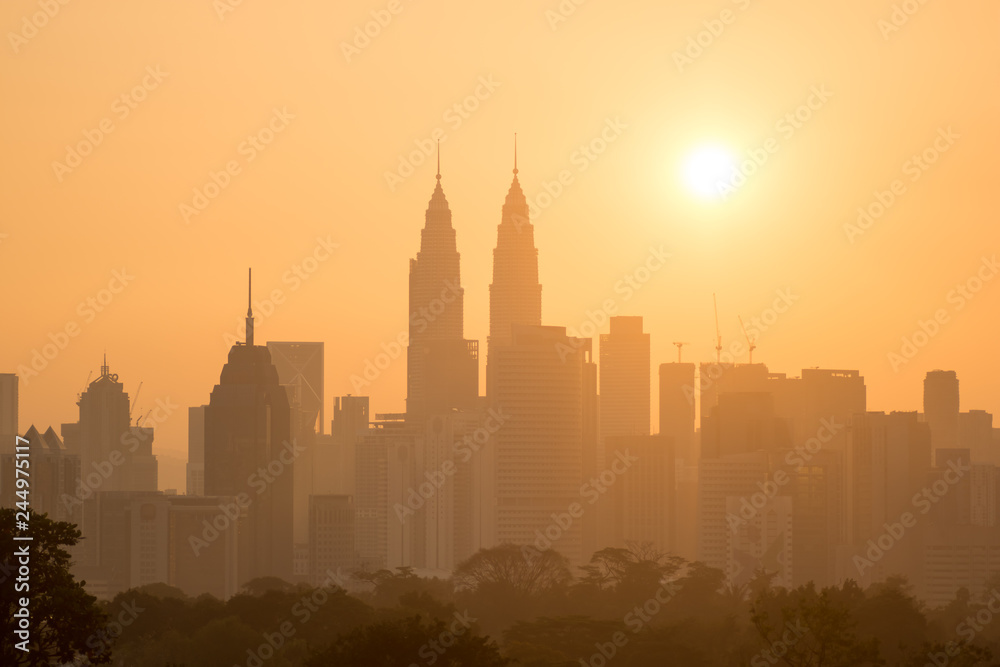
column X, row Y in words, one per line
column 442, row 366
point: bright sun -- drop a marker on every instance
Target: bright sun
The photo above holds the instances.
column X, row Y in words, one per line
column 706, row 168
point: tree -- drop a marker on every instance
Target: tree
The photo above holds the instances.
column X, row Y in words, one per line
column 64, row 620
column 809, row 629
column 509, row 568
column 409, row 641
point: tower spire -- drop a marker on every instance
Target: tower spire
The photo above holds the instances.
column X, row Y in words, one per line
column 104, row 366
column 439, row 159
column 249, row 307
column 515, row 153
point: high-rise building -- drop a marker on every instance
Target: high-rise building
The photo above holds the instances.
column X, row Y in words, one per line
column 515, row 293
column 941, row 408
column 624, row 379
column 331, row 535
column 335, row 467
column 738, row 476
column 539, row 383
column 248, row 450
column 8, row 412
column 642, row 493
column 388, row 436
column 300, row 372
column 442, row 368
column 764, row 541
column 677, row 409
column 196, row 451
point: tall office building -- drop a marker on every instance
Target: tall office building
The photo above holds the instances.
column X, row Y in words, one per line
column 642, row 496
column 539, row 383
column 941, row 408
column 55, row 475
column 515, row 293
column 624, row 379
column 389, row 436
column 300, row 372
column 442, row 368
column 677, row 409
column 8, row 412
column 247, row 430
column 196, row 451
column 335, row 466
column 331, row 536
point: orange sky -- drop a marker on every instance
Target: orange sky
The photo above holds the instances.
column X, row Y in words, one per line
column 347, row 122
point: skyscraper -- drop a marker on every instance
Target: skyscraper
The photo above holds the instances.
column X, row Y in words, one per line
column 941, row 408
column 624, row 376
column 442, row 368
column 248, row 452
column 677, row 408
column 300, row 372
column 515, row 293
column 540, row 385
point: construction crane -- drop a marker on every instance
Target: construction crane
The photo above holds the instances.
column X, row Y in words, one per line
column 750, row 343
column 679, row 346
column 135, row 400
column 142, row 420
column 718, row 334
column 85, row 384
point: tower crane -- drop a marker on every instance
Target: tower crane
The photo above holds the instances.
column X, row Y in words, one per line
column 750, row 343
column 135, row 400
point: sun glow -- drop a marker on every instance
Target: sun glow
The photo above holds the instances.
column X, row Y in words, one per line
column 707, row 169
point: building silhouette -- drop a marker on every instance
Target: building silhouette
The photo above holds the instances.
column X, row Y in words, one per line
column 249, row 451
column 442, row 368
column 941, row 408
column 8, row 413
column 515, row 293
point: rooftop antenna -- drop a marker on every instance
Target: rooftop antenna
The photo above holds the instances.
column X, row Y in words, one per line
column 679, row 346
column 515, row 153
column 439, row 159
column 249, row 307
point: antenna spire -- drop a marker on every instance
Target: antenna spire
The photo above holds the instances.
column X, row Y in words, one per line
column 439, row 159
column 249, row 306
column 515, row 153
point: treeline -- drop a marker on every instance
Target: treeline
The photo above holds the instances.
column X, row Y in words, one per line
column 504, row 606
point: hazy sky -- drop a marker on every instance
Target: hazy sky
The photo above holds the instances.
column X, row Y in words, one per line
column 199, row 81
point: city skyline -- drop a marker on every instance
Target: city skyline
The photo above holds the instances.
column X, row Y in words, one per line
column 313, row 186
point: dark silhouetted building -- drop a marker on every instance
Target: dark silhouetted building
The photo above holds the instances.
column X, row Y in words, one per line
column 941, row 408
column 249, row 453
